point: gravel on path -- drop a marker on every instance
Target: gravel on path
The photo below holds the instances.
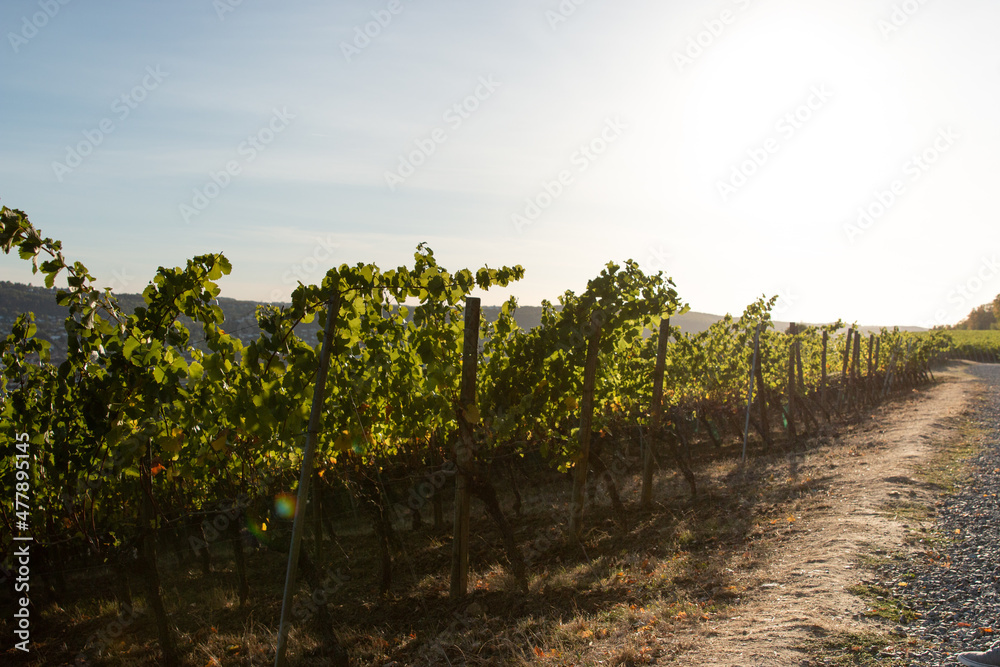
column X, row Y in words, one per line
column 957, row 591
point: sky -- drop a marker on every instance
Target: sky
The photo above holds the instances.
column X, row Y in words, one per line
column 840, row 154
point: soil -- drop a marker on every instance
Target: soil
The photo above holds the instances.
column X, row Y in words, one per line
column 801, row 593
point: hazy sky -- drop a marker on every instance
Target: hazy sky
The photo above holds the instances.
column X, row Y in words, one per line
column 842, row 154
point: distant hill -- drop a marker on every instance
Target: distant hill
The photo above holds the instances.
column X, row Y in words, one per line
column 17, row 298
column 692, row 322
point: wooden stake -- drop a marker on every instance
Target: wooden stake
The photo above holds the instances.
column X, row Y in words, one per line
column 150, row 569
column 856, row 369
column 753, row 368
column 305, row 474
column 655, row 416
column 464, row 453
column 843, row 370
column 798, row 364
column 878, row 346
column 888, row 374
column 871, row 369
column 586, row 420
column 822, row 385
column 762, row 399
column 871, row 348
column 790, row 386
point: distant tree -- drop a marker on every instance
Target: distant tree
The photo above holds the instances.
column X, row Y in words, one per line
column 996, row 312
column 981, row 317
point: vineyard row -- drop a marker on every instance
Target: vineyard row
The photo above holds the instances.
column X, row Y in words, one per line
column 138, row 435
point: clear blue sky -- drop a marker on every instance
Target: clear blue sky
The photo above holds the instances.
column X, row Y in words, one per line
column 731, row 144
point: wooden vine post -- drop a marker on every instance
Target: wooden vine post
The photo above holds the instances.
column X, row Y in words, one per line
column 790, row 387
column 758, row 372
column 798, row 364
column 822, row 383
column 856, row 371
column 907, row 362
column 753, row 369
column 150, row 570
column 305, row 475
column 801, row 387
column 464, row 452
column 317, row 510
column 655, row 416
column 843, row 371
column 586, row 419
column 871, row 349
column 890, row 369
column 870, row 380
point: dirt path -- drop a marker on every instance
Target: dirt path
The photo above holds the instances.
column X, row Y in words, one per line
column 804, row 591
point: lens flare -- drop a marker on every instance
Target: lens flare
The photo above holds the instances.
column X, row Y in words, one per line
column 284, row 505
column 258, row 531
